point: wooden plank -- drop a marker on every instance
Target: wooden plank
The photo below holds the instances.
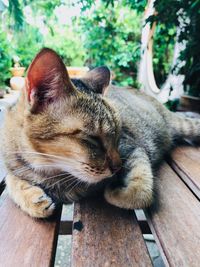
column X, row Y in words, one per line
column 186, row 162
column 175, row 221
column 25, row 241
column 105, row 236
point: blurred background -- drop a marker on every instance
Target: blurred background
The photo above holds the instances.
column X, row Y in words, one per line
column 91, row 33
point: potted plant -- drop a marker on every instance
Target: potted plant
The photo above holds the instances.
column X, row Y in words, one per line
column 17, row 81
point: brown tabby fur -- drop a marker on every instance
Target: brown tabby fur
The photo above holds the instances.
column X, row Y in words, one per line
column 63, row 139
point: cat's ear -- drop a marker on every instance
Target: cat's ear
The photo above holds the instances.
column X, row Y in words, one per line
column 98, row 79
column 47, row 80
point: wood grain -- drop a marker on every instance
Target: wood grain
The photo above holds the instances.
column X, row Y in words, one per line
column 186, row 162
column 105, row 236
column 25, row 241
column 175, row 221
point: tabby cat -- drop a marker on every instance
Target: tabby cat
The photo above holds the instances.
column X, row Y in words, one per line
column 65, row 139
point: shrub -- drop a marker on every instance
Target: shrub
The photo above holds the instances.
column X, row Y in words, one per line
column 27, row 43
column 112, row 37
column 5, row 58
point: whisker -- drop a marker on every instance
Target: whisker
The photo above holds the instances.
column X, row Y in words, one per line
column 20, row 170
column 73, row 187
column 39, row 153
column 67, row 178
column 57, row 182
column 36, row 155
column 59, row 175
column 25, row 168
column 62, row 181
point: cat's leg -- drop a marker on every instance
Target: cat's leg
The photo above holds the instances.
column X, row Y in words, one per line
column 31, row 199
column 137, row 191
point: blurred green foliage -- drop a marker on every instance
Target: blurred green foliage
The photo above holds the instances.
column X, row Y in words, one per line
column 107, row 33
column 16, row 14
column 112, row 37
column 5, row 57
column 68, row 43
column 26, row 44
column 25, row 38
column 163, row 51
column 164, row 39
column 170, row 15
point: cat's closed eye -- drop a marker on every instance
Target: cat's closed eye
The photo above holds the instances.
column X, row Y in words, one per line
column 75, row 132
column 93, row 142
column 61, row 134
column 96, row 140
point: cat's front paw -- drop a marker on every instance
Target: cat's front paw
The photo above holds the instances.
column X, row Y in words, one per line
column 37, row 204
column 133, row 196
column 31, row 199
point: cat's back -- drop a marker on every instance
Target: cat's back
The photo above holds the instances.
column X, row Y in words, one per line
column 129, row 100
column 144, row 120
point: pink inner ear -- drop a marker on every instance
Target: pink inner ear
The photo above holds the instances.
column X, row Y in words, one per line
column 31, row 96
column 47, row 76
column 105, row 91
column 28, row 89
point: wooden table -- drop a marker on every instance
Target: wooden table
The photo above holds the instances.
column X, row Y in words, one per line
column 105, row 236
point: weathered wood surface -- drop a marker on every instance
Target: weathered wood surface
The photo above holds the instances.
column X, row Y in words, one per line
column 175, row 221
column 105, row 236
column 186, row 162
column 24, row 241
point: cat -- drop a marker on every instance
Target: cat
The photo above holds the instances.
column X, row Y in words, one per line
column 65, row 139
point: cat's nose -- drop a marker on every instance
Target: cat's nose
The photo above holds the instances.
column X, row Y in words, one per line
column 115, row 167
column 114, row 162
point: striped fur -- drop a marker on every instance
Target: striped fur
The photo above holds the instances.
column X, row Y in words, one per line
column 62, row 148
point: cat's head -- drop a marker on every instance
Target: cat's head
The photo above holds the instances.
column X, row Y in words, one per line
column 79, row 131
